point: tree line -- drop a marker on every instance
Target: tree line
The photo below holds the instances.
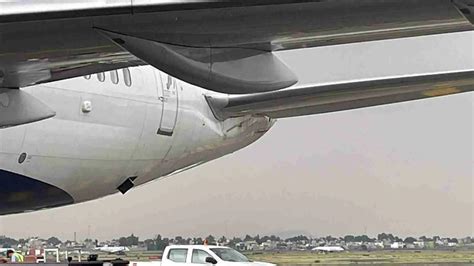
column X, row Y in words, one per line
column 159, row 242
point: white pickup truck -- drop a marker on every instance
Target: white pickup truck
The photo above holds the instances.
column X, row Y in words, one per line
column 196, row 254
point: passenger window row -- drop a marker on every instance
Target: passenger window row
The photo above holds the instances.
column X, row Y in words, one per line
column 114, row 77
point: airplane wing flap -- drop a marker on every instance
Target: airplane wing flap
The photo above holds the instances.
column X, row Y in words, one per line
column 317, row 99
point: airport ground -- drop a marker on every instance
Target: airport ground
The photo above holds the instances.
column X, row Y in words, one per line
column 370, row 258
column 400, row 257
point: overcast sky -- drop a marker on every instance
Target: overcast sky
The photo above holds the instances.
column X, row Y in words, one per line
column 404, row 168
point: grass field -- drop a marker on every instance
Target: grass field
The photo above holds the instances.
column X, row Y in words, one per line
column 400, row 257
column 377, row 257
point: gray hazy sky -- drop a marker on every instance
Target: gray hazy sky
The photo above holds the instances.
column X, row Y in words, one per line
column 404, row 168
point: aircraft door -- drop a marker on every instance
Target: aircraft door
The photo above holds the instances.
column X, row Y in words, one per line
column 169, row 97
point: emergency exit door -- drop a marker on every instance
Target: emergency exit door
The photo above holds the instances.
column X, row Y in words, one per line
column 169, row 97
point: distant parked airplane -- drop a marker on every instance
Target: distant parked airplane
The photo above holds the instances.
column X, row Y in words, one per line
column 112, row 249
column 328, row 249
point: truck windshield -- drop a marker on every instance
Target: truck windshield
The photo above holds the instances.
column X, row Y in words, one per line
column 227, row 254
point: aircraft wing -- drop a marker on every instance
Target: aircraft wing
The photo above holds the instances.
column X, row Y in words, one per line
column 324, row 98
column 223, row 46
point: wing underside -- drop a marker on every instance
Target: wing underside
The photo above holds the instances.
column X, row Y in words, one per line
column 225, row 46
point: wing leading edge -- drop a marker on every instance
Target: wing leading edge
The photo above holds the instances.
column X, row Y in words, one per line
column 317, row 99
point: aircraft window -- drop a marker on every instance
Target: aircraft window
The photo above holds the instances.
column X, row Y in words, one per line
column 114, row 77
column 178, row 255
column 199, row 256
column 101, row 76
column 87, row 76
column 127, row 78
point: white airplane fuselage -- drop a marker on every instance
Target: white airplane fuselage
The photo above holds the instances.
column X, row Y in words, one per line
column 112, row 249
column 107, row 132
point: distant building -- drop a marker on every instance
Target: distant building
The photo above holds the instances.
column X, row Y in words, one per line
column 419, row 244
column 379, row 244
column 397, row 245
column 35, row 243
column 440, row 243
column 247, row 246
column 269, row 245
